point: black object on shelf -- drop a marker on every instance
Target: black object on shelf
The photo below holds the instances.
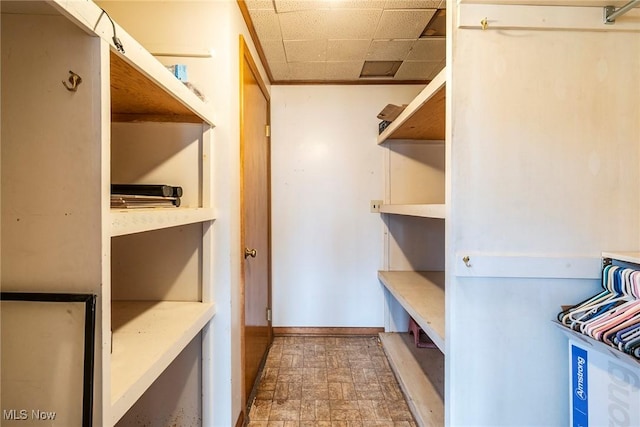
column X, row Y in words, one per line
column 158, row 190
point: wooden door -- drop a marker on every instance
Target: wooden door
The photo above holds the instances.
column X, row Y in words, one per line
column 255, row 234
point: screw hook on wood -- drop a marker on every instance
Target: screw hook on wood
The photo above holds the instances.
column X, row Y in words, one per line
column 466, row 260
column 74, row 81
column 484, row 23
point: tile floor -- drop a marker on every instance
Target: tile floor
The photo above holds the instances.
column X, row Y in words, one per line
column 328, row 382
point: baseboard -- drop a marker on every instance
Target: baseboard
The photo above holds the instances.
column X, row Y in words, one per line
column 286, row 331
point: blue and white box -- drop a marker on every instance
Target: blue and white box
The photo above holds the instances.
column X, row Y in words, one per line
column 604, row 385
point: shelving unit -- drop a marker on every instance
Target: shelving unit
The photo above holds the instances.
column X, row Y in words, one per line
column 130, row 120
column 422, row 395
column 421, row 293
column 424, row 211
column 415, row 214
column 147, row 337
column 632, row 257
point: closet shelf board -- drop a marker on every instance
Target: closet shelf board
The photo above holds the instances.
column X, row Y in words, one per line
column 136, row 97
column 425, row 403
column 632, row 257
column 147, row 337
column 129, row 221
column 142, row 89
column 425, row 211
column 421, row 294
column 424, row 117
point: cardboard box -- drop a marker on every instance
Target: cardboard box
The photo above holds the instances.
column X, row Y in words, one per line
column 604, row 384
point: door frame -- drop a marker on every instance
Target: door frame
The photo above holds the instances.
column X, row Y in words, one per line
column 245, row 55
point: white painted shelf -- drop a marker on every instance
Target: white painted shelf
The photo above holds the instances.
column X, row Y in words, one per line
column 147, row 336
column 421, row 294
column 425, row 403
column 424, row 117
column 129, row 221
column 142, row 89
column 425, row 211
column 632, row 257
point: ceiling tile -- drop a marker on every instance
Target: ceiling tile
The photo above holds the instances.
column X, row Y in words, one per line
column 417, row 70
column 274, row 51
column 305, row 50
column 307, row 70
column 259, row 4
column 285, row 6
column 357, row 4
column 279, row 71
column 412, row 4
column 347, row 50
column 403, row 24
column 343, row 70
column 389, row 50
column 428, row 50
column 352, row 23
column 267, row 24
column 306, row 25
column 439, row 68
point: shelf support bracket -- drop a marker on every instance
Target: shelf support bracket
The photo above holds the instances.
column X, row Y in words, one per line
column 610, row 13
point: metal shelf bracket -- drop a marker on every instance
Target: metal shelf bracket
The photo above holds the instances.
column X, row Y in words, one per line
column 610, row 13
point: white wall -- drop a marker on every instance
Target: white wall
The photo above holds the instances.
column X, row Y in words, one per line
column 183, row 27
column 326, row 167
column 545, row 154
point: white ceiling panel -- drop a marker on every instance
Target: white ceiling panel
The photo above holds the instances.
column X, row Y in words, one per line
column 285, row 6
column 403, row 24
column 437, row 70
column 259, row 4
column 347, row 50
column 343, row 70
column 307, row 70
column 428, row 50
column 417, row 70
column 274, row 50
column 279, row 71
column 305, row 25
column 357, row 4
column 267, row 24
column 412, row 4
column 329, row 40
column 352, row 23
column 305, row 50
column 389, row 50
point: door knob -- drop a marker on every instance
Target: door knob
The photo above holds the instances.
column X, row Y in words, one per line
column 250, row 253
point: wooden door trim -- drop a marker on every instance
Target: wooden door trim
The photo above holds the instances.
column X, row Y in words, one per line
column 245, row 55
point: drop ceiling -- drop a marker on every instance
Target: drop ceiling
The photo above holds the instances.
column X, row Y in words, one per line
column 329, row 41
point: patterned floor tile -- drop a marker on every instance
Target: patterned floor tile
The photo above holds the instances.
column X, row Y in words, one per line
column 328, row 382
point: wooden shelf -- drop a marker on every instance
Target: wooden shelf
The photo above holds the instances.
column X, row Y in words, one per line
column 632, row 257
column 424, row 117
column 129, row 221
column 421, row 293
column 425, row 403
column 425, row 211
column 138, row 96
column 142, row 89
column 147, row 336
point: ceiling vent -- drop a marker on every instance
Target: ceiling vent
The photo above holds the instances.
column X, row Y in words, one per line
column 437, row 26
column 380, row 69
